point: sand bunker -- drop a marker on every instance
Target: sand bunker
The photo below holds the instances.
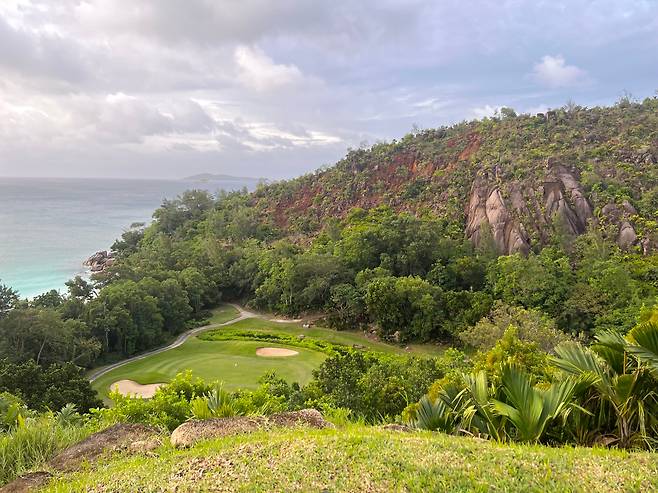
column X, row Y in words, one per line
column 129, row 387
column 286, row 320
column 275, row 351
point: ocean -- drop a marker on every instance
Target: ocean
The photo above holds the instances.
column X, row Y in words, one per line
column 49, row 226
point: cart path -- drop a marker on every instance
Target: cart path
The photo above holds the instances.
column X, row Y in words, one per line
column 178, row 342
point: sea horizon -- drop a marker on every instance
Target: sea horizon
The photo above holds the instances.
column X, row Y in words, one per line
column 50, row 225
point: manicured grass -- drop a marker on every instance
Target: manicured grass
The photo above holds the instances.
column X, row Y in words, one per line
column 346, row 338
column 367, row 459
column 233, row 362
column 223, row 314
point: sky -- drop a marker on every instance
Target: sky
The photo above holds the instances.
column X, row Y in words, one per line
column 264, row 88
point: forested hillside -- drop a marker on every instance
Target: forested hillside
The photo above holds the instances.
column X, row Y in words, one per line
column 550, row 217
column 414, row 235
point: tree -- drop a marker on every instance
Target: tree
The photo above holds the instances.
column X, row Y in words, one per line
column 126, row 317
column 42, row 335
column 346, row 307
column 532, row 325
column 48, row 388
column 50, row 299
column 409, row 306
column 200, row 290
column 538, row 281
column 8, row 299
column 80, row 289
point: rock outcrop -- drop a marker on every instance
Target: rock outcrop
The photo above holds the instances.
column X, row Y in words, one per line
column 507, row 207
column 487, row 207
column 191, row 432
column 564, row 198
column 620, row 217
column 99, row 261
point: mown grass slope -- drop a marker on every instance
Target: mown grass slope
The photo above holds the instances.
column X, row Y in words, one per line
column 236, row 364
column 367, row 459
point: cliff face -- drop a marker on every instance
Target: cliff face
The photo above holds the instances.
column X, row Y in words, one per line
column 520, row 180
column 564, row 203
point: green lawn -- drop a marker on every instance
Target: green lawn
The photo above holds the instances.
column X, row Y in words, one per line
column 223, row 314
column 233, row 362
column 347, row 338
column 367, row 459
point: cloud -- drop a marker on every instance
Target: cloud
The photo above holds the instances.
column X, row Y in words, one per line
column 40, row 53
column 259, row 71
column 554, row 72
column 139, row 88
column 485, row 111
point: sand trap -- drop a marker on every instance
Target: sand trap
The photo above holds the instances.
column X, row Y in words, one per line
column 129, row 387
column 286, row 320
column 275, row 351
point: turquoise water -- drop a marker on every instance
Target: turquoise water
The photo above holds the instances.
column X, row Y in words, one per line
column 49, row 226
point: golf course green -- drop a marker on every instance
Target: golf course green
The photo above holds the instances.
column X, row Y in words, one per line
column 235, row 362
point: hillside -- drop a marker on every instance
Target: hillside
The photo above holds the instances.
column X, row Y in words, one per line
column 525, row 178
column 360, row 459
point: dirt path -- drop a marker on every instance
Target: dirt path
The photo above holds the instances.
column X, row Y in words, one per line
column 178, row 342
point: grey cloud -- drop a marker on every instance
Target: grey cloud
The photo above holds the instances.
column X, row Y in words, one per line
column 40, row 54
column 281, row 87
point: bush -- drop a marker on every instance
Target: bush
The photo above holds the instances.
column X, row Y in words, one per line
column 284, row 339
column 169, row 407
column 531, row 326
column 48, row 388
column 373, row 386
column 186, row 397
column 511, row 351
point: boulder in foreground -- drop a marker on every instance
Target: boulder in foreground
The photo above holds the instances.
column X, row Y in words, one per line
column 191, row 432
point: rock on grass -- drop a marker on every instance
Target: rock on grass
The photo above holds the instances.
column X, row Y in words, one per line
column 191, row 432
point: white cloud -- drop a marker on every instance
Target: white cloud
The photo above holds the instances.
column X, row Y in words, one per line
column 485, row 111
column 287, row 85
column 260, row 72
column 554, row 72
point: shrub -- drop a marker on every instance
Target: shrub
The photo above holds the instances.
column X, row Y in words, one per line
column 373, row 386
column 284, row 339
column 169, row 407
column 531, row 326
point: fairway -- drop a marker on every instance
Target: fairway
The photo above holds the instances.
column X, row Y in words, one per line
column 234, row 363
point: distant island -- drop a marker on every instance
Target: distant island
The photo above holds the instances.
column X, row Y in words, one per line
column 213, row 177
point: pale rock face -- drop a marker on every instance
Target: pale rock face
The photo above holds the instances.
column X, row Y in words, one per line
column 564, row 198
column 627, row 236
column 487, row 206
column 564, row 201
column 620, row 215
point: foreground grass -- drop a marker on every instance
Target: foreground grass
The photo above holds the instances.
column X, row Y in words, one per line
column 367, row 459
column 29, row 446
